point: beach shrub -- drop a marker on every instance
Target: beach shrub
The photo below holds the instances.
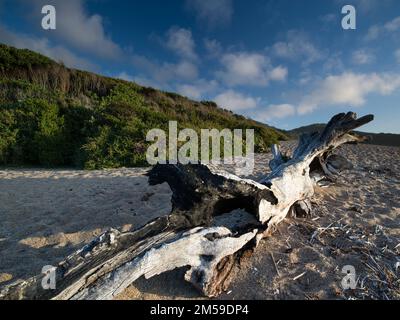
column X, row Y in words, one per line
column 11, row 58
column 8, row 135
column 49, row 139
column 35, row 134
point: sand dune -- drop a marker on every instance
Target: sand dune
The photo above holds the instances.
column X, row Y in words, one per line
column 47, row 214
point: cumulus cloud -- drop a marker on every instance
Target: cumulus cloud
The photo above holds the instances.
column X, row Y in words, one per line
column 183, row 69
column 393, row 25
column 245, row 68
column 348, row 89
column 375, row 31
column 180, row 41
column 239, row 102
column 81, row 30
column 198, row 89
column 235, row 101
column 297, row 46
column 212, row 12
column 279, row 73
column 275, row 111
column 44, row 46
column 190, row 91
column 362, row 57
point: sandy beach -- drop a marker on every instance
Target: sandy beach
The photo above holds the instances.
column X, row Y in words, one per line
column 48, row 214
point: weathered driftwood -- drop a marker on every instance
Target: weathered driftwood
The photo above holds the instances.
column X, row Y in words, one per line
column 216, row 218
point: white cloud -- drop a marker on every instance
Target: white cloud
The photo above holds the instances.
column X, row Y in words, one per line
column 275, row 112
column 180, row 41
column 297, row 47
column 242, row 68
column 190, row 91
column 375, row 31
column 198, row 89
column 81, row 30
column 43, row 46
column 239, row 102
column 183, row 70
column 362, row 57
column 236, row 101
column 212, row 12
column 348, row 89
column 245, row 68
column 393, row 25
column 279, row 73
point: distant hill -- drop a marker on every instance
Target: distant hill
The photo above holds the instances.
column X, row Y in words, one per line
column 383, row 139
column 51, row 115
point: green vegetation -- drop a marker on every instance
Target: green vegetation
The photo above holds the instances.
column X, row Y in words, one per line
column 54, row 116
column 11, row 58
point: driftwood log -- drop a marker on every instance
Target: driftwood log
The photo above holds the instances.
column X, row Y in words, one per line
column 216, row 218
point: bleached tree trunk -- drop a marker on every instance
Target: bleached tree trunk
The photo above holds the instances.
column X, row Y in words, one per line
column 216, row 217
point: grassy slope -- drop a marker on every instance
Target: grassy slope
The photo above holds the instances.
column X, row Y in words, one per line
column 54, row 116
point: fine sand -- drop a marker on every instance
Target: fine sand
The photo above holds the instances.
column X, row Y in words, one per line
column 47, row 214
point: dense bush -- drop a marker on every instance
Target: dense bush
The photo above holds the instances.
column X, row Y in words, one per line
column 53, row 116
column 8, row 135
column 33, row 133
column 13, row 58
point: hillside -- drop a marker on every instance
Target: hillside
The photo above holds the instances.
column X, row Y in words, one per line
column 382, row 139
column 51, row 115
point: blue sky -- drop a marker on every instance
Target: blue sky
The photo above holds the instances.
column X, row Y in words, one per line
column 287, row 63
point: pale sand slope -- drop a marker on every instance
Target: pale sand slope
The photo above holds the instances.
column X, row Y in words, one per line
column 46, row 215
